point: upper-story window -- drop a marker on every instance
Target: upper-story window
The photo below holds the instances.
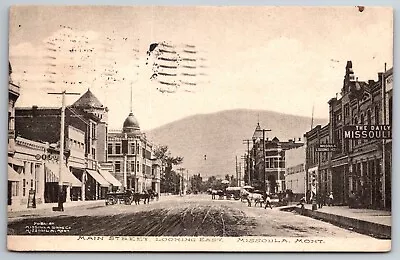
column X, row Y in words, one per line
column 109, row 148
column 369, row 120
column 132, row 148
column 346, row 110
column 117, row 148
column 377, row 115
column 117, row 166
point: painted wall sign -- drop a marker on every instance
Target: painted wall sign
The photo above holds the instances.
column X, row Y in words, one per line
column 367, row 132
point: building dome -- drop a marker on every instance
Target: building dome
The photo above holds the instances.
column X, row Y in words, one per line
column 131, row 124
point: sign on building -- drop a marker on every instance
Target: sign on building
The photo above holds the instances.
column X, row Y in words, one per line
column 367, row 132
column 326, row 148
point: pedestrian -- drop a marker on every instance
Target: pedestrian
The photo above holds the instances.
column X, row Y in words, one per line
column 319, row 200
column 330, row 202
column 267, row 201
column 301, row 204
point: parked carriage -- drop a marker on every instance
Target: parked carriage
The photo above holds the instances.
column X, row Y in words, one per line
column 233, row 192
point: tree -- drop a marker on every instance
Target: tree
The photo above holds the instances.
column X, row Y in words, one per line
column 170, row 179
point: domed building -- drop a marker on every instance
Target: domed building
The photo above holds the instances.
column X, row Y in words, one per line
column 131, row 157
column 131, row 125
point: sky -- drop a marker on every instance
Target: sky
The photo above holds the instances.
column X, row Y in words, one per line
column 284, row 59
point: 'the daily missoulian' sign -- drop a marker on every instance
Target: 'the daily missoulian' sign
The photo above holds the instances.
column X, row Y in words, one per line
column 367, row 132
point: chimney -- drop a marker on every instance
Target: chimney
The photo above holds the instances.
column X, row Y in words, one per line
column 371, row 82
column 380, row 76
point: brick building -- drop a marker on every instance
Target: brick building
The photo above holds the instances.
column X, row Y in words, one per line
column 274, row 162
column 358, row 165
column 136, row 163
column 85, row 141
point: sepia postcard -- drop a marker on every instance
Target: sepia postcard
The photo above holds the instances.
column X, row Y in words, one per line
column 200, row 128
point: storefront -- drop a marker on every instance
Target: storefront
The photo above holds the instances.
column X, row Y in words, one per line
column 96, row 186
column 69, row 182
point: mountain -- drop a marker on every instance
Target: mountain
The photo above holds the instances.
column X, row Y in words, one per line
column 220, row 137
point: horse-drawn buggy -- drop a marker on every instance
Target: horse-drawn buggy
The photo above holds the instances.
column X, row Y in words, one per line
column 129, row 196
column 118, row 197
column 233, row 193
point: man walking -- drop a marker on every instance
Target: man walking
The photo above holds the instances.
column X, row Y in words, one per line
column 268, row 201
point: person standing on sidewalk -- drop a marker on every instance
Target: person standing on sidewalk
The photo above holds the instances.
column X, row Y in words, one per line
column 330, row 202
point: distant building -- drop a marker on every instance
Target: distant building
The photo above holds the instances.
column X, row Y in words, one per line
column 361, row 166
column 295, row 175
column 135, row 161
column 274, row 162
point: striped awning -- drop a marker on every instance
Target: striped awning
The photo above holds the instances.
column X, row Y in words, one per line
column 103, row 182
column 111, row 179
column 12, row 174
column 52, row 175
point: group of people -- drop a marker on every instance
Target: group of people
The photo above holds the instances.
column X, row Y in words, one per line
column 320, row 200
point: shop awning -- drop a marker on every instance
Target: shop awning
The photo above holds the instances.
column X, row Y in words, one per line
column 12, row 174
column 111, row 179
column 14, row 161
column 98, row 178
column 67, row 176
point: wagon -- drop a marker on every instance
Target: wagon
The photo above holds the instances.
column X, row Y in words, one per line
column 119, row 197
column 233, row 192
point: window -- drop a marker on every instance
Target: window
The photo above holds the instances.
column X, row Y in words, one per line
column 346, row 110
column 132, row 166
column 132, row 148
column 32, row 168
column 14, row 188
column 377, row 114
column 23, row 187
column 117, row 166
column 94, row 153
column 369, row 122
column 137, row 149
column 31, row 184
column 137, row 167
column 117, row 148
column 110, row 148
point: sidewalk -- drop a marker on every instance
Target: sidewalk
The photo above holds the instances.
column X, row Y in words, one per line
column 45, row 206
column 376, row 223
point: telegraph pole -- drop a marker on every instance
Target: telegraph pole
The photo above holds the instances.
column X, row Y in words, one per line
column 180, row 180
column 263, row 144
column 61, row 158
column 247, row 141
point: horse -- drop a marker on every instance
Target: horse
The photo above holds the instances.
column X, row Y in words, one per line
column 138, row 196
column 153, row 195
column 257, row 198
column 220, row 194
column 214, row 194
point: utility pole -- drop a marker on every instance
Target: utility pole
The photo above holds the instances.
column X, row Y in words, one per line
column 245, row 158
column 263, row 146
column 247, row 141
column 237, row 172
column 125, row 151
column 180, row 180
column 61, row 158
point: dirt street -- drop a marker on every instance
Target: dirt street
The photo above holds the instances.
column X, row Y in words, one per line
column 195, row 215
